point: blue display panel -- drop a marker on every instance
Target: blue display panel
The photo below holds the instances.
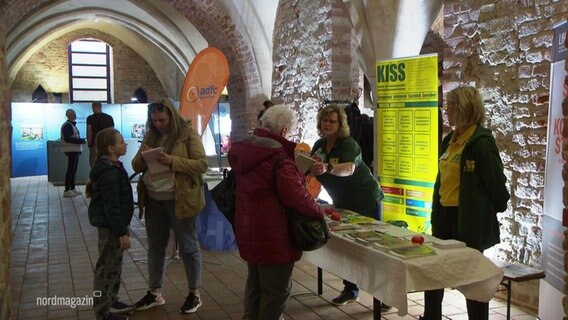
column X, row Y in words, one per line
column 133, row 121
column 33, row 124
column 29, row 136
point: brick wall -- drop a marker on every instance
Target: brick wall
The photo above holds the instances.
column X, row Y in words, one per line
column 503, row 48
column 302, row 56
column 5, row 216
column 245, row 96
column 314, row 59
column 49, row 67
column 344, row 63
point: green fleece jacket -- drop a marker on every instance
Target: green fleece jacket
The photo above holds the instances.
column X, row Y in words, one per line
column 483, row 191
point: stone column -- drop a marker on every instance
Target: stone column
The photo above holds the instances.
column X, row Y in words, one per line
column 302, row 51
column 344, row 63
column 5, row 217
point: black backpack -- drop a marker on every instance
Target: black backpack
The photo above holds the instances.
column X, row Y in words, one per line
column 224, row 195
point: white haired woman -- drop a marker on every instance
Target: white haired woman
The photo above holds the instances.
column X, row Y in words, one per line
column 261, row 225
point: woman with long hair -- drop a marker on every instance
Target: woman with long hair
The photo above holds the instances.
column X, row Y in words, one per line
column 171, row 199
column 110, row 210
column 469, row 191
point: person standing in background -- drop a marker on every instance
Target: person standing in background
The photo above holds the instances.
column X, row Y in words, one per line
column 95, row 123
column 469, row 191
column 339, row 167
column 71, row 145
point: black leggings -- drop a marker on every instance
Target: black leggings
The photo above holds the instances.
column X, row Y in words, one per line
column 72, row 164
column 447, row 228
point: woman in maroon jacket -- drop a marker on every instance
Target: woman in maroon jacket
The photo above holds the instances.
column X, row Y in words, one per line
column 261, row 225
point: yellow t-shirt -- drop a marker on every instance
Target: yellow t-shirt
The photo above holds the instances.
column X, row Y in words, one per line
column 449, row 166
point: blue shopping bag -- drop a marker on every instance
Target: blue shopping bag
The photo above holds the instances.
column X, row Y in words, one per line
column 213, row 230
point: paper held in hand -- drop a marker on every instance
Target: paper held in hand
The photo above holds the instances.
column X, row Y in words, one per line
column 150, row 157
column 304, row 163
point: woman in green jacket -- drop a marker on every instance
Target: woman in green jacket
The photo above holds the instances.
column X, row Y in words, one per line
column 470, row 189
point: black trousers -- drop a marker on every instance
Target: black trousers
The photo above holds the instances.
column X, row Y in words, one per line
column 447, row 228
column 267, row 290
column 72, row 164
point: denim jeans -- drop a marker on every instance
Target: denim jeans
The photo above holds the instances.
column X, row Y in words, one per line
column 160, row 217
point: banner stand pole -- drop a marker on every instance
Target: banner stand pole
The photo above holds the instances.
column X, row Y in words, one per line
column 220, row 144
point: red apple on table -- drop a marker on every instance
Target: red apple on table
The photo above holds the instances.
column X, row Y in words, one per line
column 335, row 216
column 418, row 239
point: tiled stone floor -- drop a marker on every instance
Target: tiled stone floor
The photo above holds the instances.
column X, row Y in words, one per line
column 54, row 249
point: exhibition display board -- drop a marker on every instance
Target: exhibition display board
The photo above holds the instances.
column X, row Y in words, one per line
column 34, row 124
column 554, row 220
column 406, row 126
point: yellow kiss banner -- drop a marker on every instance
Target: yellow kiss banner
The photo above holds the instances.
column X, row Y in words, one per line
column 407, row 138
column 203, row 85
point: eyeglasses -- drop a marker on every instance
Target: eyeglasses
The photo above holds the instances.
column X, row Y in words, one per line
column 153, row 107
column 330, row 121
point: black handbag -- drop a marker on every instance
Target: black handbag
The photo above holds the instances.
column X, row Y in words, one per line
column 224, row 195
column 309, row 233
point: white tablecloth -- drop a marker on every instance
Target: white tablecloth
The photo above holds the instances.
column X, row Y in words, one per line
column 389, row 278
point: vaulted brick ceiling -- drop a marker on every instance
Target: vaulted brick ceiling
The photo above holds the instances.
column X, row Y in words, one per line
column 169, row 33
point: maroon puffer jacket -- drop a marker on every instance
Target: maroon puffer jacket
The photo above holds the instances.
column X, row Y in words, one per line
column 261, row 226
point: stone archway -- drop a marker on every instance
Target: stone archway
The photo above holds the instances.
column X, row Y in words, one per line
column 209, row 19
column 25, row 17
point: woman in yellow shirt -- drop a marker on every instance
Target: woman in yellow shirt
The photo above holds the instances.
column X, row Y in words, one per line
column 469, row 191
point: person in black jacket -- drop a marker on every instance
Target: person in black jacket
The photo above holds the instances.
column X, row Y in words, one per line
column 95, row 123
column 110, row 210
column 71, row 145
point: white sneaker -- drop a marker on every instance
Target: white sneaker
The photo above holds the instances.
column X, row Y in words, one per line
column 69, row 194
column 76, row 192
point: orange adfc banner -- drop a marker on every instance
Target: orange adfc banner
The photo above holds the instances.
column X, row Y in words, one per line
column 203, row 85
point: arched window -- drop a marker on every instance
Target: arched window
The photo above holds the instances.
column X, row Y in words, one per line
column 140, row 96
column 89, row 71
column 39, row 95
